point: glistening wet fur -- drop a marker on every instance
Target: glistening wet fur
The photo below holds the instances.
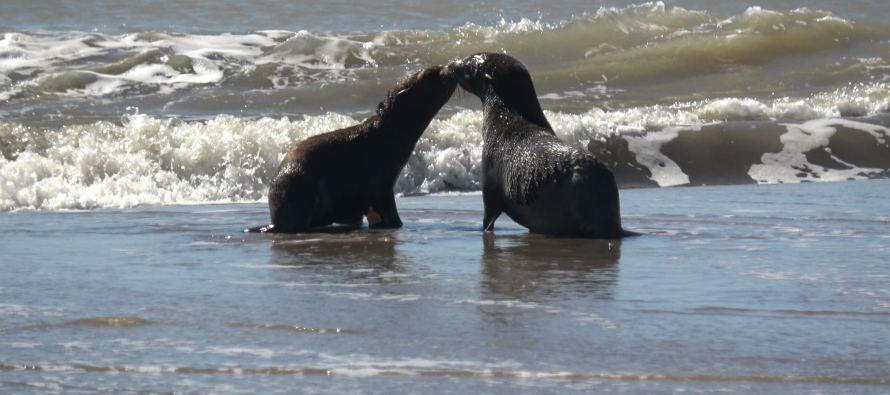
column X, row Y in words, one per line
column 539, row 181
column 345, row 175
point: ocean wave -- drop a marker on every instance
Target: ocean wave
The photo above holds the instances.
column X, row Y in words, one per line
column 627, row 46
column 147, row 160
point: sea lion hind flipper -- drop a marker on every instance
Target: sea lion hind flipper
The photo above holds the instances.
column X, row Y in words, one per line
column 630, row 233
column 261, row 229
column 293, row 204
column 384, row 213
column 593, row 196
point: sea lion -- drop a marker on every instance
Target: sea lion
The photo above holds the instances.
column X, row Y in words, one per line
column 540, row 181
column 343, row 175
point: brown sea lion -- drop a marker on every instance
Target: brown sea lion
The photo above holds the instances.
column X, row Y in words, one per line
column 340, row 176
column 540, row 181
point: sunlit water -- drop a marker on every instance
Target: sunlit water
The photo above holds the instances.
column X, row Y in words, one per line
column 779, row 289
column 138, row 138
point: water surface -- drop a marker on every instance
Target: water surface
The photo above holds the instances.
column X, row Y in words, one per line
column 762, row 289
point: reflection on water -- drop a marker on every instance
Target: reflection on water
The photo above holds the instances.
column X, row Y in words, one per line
column 530, row 266
column 350, row 252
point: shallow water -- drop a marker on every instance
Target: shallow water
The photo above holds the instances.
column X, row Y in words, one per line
column 756, row 289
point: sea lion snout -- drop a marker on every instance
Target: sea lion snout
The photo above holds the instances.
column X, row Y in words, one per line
column 456, row 67
column 467, row 72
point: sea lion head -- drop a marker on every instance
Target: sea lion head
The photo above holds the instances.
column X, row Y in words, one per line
column 482, row 70
column 500, row 79
column 472, row 73
column 416, row 99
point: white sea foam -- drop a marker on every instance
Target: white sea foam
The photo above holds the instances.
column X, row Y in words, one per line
column 23, row 345
column 66, row 62
column 14, row 309
column 851, row 101
column 75, row 345
column 372, row 297
column 791, row 165
column 750, row 109
column 320, row 52
column 647, row 148
column 365, row 361
column 586, row 318
column 29, row 311
column 151, row 161
column 97, row 64
column 258, row 352
column 298, row 285
column 201, row 244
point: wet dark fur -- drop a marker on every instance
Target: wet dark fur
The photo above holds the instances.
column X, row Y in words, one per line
column 521, row 157
column 341, row 176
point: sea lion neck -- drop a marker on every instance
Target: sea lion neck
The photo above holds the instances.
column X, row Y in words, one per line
column 410, row 106
column 512, row 106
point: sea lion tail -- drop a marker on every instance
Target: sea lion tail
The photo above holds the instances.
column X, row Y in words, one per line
column 627, row 233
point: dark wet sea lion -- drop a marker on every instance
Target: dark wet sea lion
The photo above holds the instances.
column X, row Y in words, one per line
column 540, row 181
column 340, row 176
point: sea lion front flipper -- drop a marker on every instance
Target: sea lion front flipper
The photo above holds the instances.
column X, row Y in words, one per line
column 488, row 222
column 493, row 210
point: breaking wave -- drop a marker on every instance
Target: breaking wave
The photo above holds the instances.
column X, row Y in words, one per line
column 146, row 160
column 642, row 44
column 665, row 96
